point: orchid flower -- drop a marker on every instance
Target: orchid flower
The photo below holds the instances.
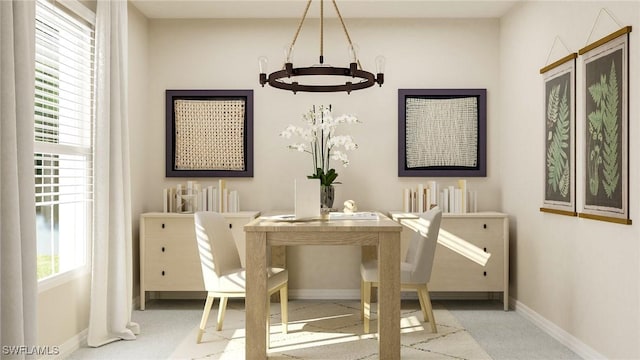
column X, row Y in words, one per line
column 321, row 141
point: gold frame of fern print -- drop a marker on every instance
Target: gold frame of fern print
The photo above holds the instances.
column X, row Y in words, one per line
column 605, row 194
column 559, row 136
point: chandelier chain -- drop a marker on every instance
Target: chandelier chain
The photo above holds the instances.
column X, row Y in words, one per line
column 321, row 31
column 295, row 36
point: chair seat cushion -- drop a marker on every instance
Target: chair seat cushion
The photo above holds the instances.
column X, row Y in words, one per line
column 369, row 271
column 236, row 281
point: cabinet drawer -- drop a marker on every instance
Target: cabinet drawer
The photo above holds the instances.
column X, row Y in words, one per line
column 480, row 232
column 170, row 228
column 453, row 272
column 174, row 249
column 173, row 276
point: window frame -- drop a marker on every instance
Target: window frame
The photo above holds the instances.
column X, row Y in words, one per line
column 81, row 13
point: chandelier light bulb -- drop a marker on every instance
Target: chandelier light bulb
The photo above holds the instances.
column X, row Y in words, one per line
column 353, row 53
column 380, row 62
column 288, row 54
column 262, row 63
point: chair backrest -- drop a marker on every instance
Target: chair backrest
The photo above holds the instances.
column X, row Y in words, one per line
column 423, row 247
column 217, row 248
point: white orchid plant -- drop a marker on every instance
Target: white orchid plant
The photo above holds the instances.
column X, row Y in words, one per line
column 322, row 142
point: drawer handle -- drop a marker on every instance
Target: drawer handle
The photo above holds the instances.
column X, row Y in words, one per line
column 230, row 226
column 162, row 272
column 485, row 249
column 163, row 225
column 485, row 273
column 163, row 249
column 484, row 226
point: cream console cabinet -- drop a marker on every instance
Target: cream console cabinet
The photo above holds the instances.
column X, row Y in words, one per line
column 453, row 272
column 169, row 258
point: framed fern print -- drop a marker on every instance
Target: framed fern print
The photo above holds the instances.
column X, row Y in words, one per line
column 606, row 145
column 560, row 125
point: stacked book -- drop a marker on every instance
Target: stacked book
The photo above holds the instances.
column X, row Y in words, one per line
column 451, row 199
column 193, row 197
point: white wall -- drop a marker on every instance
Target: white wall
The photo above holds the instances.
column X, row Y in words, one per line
column 63, row 312
column 222, row 54
column 582, row 275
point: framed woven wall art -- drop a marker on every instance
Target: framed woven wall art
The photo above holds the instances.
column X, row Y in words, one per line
column 209, row 133
column 606, row 122
column 442, row 132
column 559, row 136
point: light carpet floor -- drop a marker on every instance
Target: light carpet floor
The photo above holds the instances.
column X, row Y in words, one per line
column 333, row 330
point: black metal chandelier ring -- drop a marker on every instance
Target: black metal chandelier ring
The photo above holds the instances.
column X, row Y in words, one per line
column 368, row 78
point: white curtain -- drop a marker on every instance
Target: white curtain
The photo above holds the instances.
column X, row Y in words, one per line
column 18, row 279
column 111, row 285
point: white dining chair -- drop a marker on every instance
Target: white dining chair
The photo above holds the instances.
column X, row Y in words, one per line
column 222, row 271
column 415, row 270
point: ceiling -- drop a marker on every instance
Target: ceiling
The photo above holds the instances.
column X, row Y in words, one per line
column 193, row 9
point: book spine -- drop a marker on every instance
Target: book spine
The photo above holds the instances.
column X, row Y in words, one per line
column 406, row 200
column 462, row 184
column 225, row 200
column 221, row 190
column 203, row 200
column 165, row 200
column 179, row 198
column 210, row 194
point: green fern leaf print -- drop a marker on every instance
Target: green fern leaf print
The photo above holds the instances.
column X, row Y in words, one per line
column 604, row 135
column 558, row 145
column 610, row 171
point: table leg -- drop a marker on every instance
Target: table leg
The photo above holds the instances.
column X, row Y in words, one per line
column 369, row 252
column 389, row 295
column 255, row 302
column 278, row 259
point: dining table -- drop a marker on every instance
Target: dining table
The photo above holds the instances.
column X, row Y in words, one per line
column 381, row 233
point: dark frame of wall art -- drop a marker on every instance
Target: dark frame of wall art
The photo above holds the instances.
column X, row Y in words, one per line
column 606, row 122
column 209, row 133
column 442, row 132
column 560, row 136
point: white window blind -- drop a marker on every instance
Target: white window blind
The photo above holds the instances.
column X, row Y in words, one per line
column 63, row 138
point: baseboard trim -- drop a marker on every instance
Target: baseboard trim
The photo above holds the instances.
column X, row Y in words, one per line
column 461, row 295
column 69, row 346
column 354, row 294
column 79, row 340
column 336, row 294
column 565, row 338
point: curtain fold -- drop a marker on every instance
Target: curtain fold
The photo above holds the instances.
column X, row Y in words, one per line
column 18, row 278
column 112, row 267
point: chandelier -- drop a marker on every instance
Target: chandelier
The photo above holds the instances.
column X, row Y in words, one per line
column 295, row 79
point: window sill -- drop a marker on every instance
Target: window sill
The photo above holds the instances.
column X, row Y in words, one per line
column 62, row 278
